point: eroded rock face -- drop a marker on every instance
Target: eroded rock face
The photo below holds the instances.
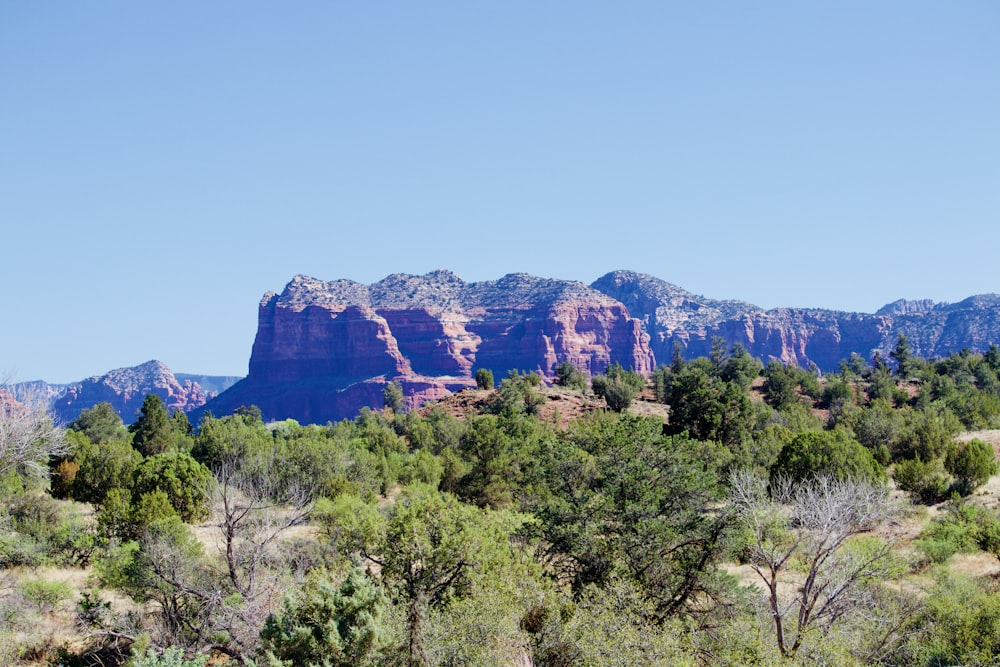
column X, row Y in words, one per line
column 125, row 389
column 800, row 336
column 325, row 349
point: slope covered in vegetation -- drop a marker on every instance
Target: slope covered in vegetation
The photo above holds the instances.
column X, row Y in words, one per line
column 720, row 513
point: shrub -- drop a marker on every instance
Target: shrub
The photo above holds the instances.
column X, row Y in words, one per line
column 326, row 625
column 569, row 376
column 44, row 594
column 185, row 482
column 44, row 531
column 925, row 482
column 169, row 657
column 972, row 463
column 964, row 528
column 484, row 378
column 833, row 453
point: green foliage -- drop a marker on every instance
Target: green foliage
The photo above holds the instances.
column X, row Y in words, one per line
column 431, row 548
column 927, row 433
column 37, row 530
column 957, row 624
column 616, row 391
column 963, row 528
column 168, row 657
column 617, row 386
column 423, row 467
column 740, row 368
column 926, row 482
column 624, row 496
column 185, row 482
column 102, row 467
column 905, row 364
column 972, row 464
column 781, row 384
column 124, row 518
column 326, row 624
column 44, row 594
column 484, row 378
column 617, row 625
column 704, row 405
column 99, row 423
column 836, row 393
column 827, row 453
column 392, row 398
column 237, row 436
column 499, row 455
column 152, row 432
column 518, row 394
column 569, row 376
column 877, row 424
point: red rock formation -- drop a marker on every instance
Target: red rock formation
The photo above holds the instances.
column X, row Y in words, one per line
column 125, row 389
column 323, row 350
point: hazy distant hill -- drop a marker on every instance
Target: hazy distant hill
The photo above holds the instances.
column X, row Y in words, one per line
column 125, row 389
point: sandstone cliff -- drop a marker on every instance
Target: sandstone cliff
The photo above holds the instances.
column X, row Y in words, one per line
column 798, row 335
column 325, row 349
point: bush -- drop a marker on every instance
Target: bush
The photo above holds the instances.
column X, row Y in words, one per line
column 44, row 594
column 326, row 625
column 617, row 387
column 964, row 528
column 972, row 463
column 833, row 453
column 925, row 482
column 169, row 657
column 185, row 482
column 618, row 395
column 484, row 378
column 44, row 531
column 569, row 376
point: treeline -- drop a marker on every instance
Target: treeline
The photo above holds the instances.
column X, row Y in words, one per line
column 753, row 527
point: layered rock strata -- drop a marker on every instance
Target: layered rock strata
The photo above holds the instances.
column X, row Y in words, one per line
column 325, row 349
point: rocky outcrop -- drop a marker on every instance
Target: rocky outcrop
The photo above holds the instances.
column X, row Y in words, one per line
column 125, row 389
column 325, row 349
column 798, row 335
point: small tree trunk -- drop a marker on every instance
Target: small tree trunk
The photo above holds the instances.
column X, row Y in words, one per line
column 416, row 652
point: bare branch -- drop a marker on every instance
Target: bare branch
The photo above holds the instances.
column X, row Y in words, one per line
column 28, row 437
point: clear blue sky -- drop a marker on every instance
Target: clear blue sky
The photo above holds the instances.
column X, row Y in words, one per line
column 163, row 164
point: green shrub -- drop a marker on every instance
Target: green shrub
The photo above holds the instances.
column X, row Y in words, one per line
column 963, row 528
column 484, row 378
column 185, row 482
column 44, row 594
column 925, row 482
column 44, row 531
column 972, row 463
column 169, row 657
column 569, row 376
column 326, row 625
column 833, row 453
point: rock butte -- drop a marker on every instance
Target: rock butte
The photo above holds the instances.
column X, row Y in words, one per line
column 325, row 349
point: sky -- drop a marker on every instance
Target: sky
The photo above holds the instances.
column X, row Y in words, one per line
column 164, row 164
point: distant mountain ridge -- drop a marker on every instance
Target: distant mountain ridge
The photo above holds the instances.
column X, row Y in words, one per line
column 324, row 349
column 800, row 336
column 125, row 389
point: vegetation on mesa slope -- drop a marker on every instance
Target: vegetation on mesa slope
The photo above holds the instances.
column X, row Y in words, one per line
column 754, row 526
